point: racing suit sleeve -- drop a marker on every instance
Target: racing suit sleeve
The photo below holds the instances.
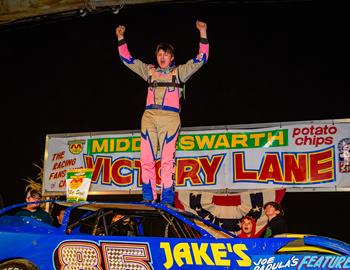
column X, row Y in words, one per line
column 188, row 69
column 135, row 65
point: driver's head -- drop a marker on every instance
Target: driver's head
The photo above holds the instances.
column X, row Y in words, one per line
column 165, row 55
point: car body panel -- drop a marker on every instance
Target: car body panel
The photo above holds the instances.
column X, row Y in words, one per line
column 185, row 241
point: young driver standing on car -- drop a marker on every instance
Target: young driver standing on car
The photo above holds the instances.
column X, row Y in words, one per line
column 160, row 123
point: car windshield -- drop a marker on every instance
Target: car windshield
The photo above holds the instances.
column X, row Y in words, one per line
column 137, row 221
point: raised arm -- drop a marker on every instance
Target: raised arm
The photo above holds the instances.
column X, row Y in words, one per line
column 120, row 30
column 202, row 27
column 187, row 70
column 135, row 65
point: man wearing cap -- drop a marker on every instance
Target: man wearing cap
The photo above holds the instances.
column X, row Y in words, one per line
column 34, row 210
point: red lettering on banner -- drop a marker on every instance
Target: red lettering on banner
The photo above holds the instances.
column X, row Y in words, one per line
column 188, row 169
column 56, row 175
column 321, row 166
column 298, row 168
column 58, row 156
column 325, row 130
column 137, row 171
column 62, row 183
column 211, row 168
column 64, row 163
column 59, row 167
column 271, row 168
column 118, row 177
column 314, row 136
column 101, row 165
column 124, row 171
column 295, row 168
column 239, row 170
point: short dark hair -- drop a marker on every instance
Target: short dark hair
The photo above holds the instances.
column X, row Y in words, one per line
column 167, row 47
column 35, row 194
column 275, row 205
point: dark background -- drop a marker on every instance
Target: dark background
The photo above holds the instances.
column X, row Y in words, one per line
column 270, row 61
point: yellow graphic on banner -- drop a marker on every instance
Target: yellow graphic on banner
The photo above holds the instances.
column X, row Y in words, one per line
column 196, row 142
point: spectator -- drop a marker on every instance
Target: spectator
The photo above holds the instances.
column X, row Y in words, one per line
column 248, row 227
column 58, row 215
column 34, row 210
column 276, row 223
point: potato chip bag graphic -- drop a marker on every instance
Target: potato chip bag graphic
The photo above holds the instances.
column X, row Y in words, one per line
column 78, row 184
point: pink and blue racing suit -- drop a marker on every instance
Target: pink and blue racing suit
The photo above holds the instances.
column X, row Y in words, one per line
column 160, row 125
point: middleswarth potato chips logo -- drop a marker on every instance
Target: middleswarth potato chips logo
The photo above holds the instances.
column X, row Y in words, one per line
column 76, row 147
column 76, row 183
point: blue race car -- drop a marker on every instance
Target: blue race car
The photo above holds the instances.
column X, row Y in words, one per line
column 143, row 236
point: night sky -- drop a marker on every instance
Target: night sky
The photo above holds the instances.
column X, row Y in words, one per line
column 269, row 61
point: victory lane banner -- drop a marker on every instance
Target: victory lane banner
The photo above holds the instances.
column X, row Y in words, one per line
column 299, row 155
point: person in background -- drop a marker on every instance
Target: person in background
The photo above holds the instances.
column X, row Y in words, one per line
column 276, row 223
column 123, row 225
column 248, row 227
column 34, row 210
column 160, row 124
column 58, row 216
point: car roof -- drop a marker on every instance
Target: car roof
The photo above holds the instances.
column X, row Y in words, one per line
column 136, row 206
column 95, row 206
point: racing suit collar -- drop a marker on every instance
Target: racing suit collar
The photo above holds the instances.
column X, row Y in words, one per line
column 165, row 70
